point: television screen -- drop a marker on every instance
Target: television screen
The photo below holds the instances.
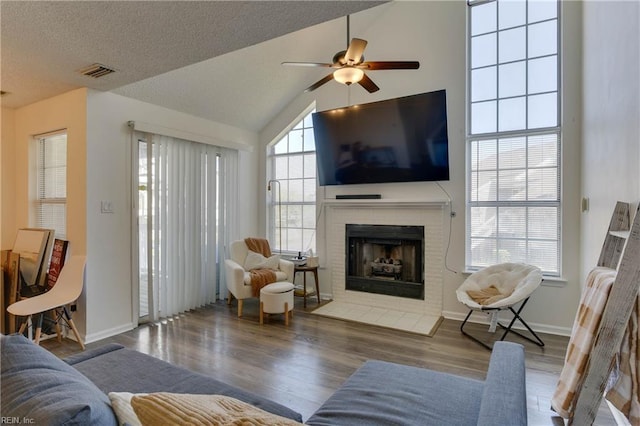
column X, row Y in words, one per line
column 396, row 140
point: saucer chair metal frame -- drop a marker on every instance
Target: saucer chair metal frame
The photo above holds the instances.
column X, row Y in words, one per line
column 521, row 294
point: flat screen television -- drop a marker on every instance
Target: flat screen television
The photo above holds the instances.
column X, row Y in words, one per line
column 397, row 140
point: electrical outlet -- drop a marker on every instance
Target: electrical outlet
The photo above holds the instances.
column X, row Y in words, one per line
column 74, row 307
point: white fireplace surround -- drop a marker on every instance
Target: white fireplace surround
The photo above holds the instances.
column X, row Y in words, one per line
column 429, row 214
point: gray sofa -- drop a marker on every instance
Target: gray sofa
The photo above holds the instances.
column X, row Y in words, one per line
column 40, row 388
column 383, row 393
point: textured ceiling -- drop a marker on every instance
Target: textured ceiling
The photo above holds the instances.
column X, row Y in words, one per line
column 219, row 60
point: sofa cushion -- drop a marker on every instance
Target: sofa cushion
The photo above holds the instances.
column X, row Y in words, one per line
column 114, row 368
column 383, row 393
column 38, row 386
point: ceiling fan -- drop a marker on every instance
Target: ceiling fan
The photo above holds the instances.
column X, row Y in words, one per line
column 350, row 66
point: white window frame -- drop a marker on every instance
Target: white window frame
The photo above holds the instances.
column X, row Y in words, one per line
column 41, row 200
column 276, row 209
column 479, row 137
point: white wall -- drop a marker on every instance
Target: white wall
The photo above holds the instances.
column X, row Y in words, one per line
column 436, row 32
column 7, row 179
column 611, row 125
column 66, row 111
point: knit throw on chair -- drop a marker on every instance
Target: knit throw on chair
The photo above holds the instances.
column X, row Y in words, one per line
column 624, row 393
column 585, row 328
column 258, row 245
column 260, row 277
column 487, row 296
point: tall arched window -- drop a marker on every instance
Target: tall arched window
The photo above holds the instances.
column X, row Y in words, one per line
column 291, row 203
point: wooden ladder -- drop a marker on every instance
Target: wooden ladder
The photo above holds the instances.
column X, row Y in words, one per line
column 621, row 241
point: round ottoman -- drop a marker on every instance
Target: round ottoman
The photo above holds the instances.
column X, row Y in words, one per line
column 277, row 298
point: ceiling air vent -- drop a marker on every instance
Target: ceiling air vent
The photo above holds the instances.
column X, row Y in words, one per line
column 96, row 71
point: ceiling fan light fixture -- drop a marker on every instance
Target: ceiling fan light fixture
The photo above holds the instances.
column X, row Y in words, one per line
column 348, row 75
column 348, row 65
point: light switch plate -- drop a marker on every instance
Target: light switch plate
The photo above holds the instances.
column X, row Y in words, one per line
column 106, row 206
column 584, row 204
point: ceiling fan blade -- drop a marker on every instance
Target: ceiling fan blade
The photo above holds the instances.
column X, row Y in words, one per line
column 308, row 64
column 390, row 65
column 319, row 83
column 354, row 52
column 368, row 84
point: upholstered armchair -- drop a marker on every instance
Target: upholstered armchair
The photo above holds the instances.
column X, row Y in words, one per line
column 238, row 265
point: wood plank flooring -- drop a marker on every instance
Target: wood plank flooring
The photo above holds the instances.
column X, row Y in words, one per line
column 301, row 365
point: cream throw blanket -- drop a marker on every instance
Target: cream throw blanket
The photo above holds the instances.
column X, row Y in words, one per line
column 170, row 409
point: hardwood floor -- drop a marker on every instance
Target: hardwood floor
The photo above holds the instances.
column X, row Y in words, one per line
column 302, row 364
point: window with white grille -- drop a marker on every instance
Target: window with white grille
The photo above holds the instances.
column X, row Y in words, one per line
column 51, row 201
column 513, row 143
column 292, row 190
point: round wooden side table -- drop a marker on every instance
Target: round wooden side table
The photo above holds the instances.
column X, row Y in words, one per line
column 304, row 270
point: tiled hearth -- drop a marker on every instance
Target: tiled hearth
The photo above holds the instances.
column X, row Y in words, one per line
column 418, row 316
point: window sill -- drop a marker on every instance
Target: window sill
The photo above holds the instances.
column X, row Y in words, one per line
column 547, row 280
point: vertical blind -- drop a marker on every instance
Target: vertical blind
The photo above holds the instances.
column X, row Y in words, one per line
column 188, row 188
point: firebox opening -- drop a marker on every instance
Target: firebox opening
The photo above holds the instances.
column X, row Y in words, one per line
column 385, row 259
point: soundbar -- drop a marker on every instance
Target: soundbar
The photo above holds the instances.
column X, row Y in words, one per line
column 359, row 197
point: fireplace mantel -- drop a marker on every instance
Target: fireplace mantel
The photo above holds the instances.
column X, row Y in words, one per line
column 385, row 203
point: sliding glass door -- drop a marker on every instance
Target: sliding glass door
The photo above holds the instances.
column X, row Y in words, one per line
column 182, row 206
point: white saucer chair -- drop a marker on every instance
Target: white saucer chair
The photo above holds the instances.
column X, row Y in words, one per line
column 239, row 279
column 66, row 291
column 513, row 284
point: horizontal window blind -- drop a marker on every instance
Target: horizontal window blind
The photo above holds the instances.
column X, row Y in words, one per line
column 51, row 203
column 514, row 201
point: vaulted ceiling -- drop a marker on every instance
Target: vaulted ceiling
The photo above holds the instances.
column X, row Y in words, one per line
column 218, row 60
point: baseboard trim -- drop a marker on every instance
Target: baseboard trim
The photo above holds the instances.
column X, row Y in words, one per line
column 480, row 318
column 94, row 337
